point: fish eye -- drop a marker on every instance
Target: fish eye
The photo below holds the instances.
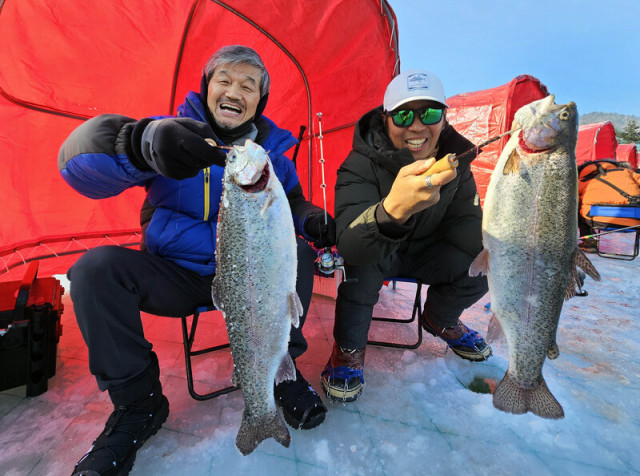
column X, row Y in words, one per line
column 564, row 115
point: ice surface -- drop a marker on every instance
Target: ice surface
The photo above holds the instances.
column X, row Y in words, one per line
column 416, row 416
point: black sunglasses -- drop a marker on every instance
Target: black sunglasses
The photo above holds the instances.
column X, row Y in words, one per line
column 428, row 116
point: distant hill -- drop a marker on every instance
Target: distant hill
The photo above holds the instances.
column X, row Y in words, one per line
column 619, row 121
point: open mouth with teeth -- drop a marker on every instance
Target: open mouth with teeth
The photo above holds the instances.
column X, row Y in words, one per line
column 261, row 183
column 231, row 108
column 522, row 144
column 415, row 144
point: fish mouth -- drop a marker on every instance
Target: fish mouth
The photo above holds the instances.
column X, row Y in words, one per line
column 522, row 144
column 259, row 184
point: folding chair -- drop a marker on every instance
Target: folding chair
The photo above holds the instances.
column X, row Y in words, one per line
column 628, row 211
column 188, row 336
column 416, row 312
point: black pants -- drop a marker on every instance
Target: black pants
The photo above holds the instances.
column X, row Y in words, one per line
column 442, row 266
column 110, row 285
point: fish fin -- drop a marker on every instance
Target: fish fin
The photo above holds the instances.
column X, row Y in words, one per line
column 511, row 398
column 287, row 369
column 255, row 430
column 215, row 293
column 494, row 330
column 582, row 262
column 295, row 309
column 576, row 281
column 553, row 352
column 542, row 402
column 513, row 163
column 235, row 381
column 571, row 287
column 271, row 197
column 480, row 265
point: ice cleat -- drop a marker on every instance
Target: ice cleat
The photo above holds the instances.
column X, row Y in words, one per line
column 128, row 427
column 343, row 377
column 464, row 342
column 300, row 404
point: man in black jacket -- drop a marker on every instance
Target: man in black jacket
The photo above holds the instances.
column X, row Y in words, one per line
column 392, row 221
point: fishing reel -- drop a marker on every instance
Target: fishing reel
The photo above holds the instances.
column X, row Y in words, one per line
column 328, row 261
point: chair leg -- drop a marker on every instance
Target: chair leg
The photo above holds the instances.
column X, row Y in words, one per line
column 415, row 316
column 622, row 256
column 188, row 337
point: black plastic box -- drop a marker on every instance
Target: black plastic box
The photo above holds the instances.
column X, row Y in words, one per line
column 30, row 330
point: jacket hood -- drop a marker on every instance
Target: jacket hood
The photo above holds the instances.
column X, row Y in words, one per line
column 272, row 138
column 371, row 140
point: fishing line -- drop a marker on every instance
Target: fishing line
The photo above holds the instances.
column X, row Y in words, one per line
column 610, row 231
column 476, row 148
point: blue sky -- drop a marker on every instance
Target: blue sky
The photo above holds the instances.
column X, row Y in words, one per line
column 583, row 51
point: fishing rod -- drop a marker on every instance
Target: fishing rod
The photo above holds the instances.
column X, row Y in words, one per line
column 610, row 231
column 327, row 261
column 477, row 148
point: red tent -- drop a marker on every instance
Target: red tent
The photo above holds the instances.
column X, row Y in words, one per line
column 64, row 62
column 596, row 141
column 627, row 153
column 481, row 115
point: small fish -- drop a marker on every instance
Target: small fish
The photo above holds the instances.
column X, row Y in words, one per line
column 255, row 288
column 531, row 253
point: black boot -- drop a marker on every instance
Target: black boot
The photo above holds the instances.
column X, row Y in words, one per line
column 135, row 418
column 300, row 404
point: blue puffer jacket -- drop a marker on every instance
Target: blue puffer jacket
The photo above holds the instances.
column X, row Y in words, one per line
column 179, row 217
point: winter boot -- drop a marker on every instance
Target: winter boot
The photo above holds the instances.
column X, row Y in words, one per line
column 300, row 404
column 128, row 427
column 464, row 342
column 343, row 376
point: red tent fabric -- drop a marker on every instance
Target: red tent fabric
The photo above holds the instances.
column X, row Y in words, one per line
column 64, row 62
column 596, row 141
column 481, row 115
column 627, row 153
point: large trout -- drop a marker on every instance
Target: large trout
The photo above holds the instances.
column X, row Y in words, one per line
column 255, row 288
column 530, row 254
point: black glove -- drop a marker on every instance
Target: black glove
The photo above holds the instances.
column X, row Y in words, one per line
column 173, row 147
column 323, row 233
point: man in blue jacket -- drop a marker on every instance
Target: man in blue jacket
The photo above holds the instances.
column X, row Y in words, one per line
column 171, row 275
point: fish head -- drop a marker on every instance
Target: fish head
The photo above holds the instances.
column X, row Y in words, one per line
column 248, row 167
column 546, row 125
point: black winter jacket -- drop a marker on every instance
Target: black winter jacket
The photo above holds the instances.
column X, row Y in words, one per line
column 365, row 178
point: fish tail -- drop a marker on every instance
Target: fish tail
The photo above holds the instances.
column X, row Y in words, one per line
column 511, row 398
column 253, row 431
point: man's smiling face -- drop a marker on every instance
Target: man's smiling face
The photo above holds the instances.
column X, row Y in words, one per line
column 421, row 140
column 233, row 94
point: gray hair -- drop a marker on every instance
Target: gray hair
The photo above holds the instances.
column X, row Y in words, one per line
column 238, row 54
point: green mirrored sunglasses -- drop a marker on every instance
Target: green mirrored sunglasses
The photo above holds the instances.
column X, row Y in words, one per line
column 428, row 116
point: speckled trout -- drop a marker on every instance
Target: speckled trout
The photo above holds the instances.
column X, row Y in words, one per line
column 255, row 288
column 531, row 252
